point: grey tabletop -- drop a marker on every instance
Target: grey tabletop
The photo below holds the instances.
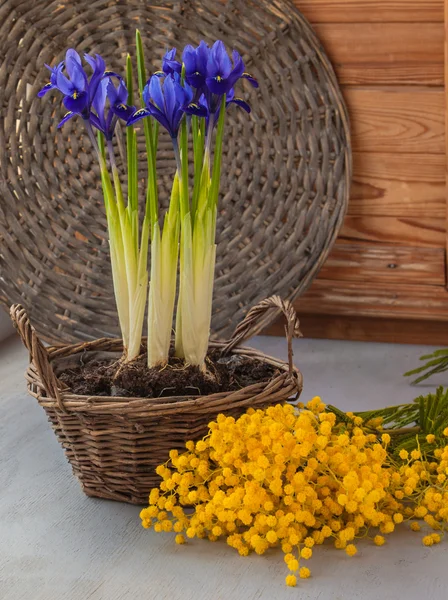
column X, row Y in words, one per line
column 57, row 544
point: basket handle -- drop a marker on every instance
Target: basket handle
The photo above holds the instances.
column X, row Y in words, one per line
column 38, row 352
column 250, row 325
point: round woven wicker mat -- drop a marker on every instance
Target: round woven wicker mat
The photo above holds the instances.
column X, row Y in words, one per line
column 286, row 170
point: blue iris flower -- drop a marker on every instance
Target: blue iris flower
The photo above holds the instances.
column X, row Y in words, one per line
column 201, row 107
column 222, row 75
column 70, row 78
column 106, row 117
column 169, row 64
column 195, row 62
column 166, row 100
column 53, row 75
column 212, row 73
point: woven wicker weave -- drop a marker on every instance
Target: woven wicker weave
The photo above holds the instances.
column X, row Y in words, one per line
column 286, row 166
column 115, row 444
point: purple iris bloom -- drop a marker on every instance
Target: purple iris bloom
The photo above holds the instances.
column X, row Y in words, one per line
column 201, row 108
column 232, row 99
column 212, row 73
column 70, row 78
column 53, row 75
column 195, row 62
column 166, row 100
column 106, row 117
column 169, row 64
column 222, row 75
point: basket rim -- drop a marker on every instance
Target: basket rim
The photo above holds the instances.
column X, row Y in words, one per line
column 139, row 405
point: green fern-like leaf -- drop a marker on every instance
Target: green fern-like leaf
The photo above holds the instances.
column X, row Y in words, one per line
column 437, row 362
column 409, row 424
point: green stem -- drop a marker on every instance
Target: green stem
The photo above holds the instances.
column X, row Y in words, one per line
column 216, row 173
column 116, row 177
column 402, row 430
column 184, row 208
column 92, row 138
column 131, row 145
column 152, row 201
column 184, row 156
column 210, row 127
column 198, row 151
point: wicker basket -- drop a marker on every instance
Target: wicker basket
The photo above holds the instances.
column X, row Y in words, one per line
column 286, row 166
column 114, row 444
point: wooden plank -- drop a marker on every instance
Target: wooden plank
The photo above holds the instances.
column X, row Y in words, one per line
column 385, row 53
column 395, row 331
column 403, row 231
column 382, row 264
column 391, row 74
column 398, row 184
column 400, row 301
column 362, row 11
column 397, row 120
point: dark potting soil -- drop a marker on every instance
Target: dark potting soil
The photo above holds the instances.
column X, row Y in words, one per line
column 223, row 374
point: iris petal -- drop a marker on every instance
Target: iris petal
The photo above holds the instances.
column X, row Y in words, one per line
column 170, row 100
column 71, row 59
column 237, row 70
column 122, row 93
column 90, row 60
column 98, row 73
column 169, row 64
column 71, row 53
column 78, row 77
column 112, row 92
column 63, row 84
column 202, row 52
column 47, row 87
column 196, row 109
column 195, row 79
column 250, row 79
column 241, row 103
column 65, row 118
column 195, row 62
column 217, row 85
column 77, row 105
column 137, row 115
column 123, row 111
column 97, row 123
column 56, row 70
column 189, row 59
column 160, row 116
column 218, row 63
column 154, row 92
column 99, row 101
column 112, row 74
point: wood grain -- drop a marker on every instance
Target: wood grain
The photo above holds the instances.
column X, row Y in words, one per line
column 394, row 331
column 397, row 120
column 362, row 11
column 385, row 264
column 385, row 53
column 398, row 184
column 403, row 231
column 400, row 301
column 390, row 74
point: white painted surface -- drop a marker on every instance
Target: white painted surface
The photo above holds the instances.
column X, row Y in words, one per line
column 56, row 544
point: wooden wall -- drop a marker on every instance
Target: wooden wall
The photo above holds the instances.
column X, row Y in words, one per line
column 386, row 278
